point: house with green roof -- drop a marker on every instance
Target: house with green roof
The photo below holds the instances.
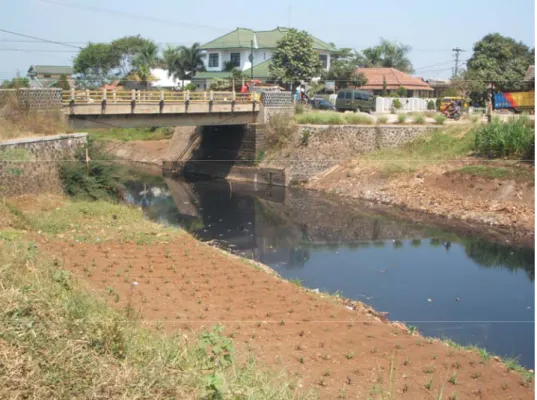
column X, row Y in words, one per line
column 235, row 48
column 46, row 76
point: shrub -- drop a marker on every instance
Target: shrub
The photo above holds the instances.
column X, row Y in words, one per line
column 382, row 119
column 419, row 119
column 299, row 108
column 431, row 105
column 357, row 119
column 514, row 138
column 321, row 118
column 401, row 118
column 280, row 128
column 440, row 119
column 437, row 103
column 397, row 104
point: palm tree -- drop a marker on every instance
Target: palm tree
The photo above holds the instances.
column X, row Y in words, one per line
column 191, row 59
column 172, row 60
column 144, row 60
column 389, row 55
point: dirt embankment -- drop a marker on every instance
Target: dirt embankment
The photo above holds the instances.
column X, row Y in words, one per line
column 465, row 192
column 141, row 151
column 340, row 349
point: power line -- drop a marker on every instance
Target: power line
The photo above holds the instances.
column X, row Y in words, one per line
column 40, row 39
column 114, row 13
column 38, row 50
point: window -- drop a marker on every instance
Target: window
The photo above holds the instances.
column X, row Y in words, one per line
column 213, row 60
column 341, row 95
column 348, row 95
column 264, row 56
column 324, row 60
column 236, row 59
column 47, row 76
column 410, row 93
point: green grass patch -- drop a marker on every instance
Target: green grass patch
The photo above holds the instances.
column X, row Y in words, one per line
column 492, row 172
column 436, row 147
column 512, row 139
column 333, row 118
column 16, row 154
column 128, row 134
column 61, row 342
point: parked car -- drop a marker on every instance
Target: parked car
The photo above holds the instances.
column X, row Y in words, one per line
column 355, row 100
column 322, row 104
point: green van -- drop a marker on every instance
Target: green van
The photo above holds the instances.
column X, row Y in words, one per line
column 355, row 100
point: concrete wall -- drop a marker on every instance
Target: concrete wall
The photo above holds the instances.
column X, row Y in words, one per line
column 315, row 148
column 30, row 166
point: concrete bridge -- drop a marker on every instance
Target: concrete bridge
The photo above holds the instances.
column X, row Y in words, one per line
column 135, row 108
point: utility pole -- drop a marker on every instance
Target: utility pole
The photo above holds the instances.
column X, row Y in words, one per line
column 457, row 51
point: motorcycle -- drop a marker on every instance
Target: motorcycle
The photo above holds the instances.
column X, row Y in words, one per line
column 453, row 115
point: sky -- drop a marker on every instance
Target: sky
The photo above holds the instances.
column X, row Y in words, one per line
column 431, row 28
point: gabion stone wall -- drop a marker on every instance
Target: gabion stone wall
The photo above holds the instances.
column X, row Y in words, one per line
column 38, row 99
column 277, row 99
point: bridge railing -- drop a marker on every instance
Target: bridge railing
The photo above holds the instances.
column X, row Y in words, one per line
column 73, row 97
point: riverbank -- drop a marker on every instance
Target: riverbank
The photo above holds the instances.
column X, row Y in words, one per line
column 177, row 284
column 431, row 180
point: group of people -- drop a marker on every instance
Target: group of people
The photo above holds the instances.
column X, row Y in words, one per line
column 300, row 95
column 455, row 106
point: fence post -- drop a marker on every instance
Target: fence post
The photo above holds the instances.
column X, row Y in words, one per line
column 114, row 95
column 133, row 100
column 73, row 95
column 87, row 96
column 187, row 100
column 161, row 103
column 103, row 102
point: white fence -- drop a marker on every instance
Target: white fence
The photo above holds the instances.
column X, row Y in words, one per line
column 411, row 104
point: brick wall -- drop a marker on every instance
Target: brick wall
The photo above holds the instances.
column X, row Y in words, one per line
column 30, row 166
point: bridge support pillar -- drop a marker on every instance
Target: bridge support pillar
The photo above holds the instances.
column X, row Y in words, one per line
column 253, row 144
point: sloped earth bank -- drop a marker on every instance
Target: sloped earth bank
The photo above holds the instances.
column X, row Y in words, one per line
column 498, row 208
column 338, row 348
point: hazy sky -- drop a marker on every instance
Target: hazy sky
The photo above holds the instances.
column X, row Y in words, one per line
column 432, row 28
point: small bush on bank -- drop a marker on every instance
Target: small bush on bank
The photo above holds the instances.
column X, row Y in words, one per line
column 401, row 118
column 280, row 129
column 513, row 139
column 419, row 119
column 440, row 119
column 382, row 119
column 357, row 119
column 397, row 104
column 299, row 108
column 431, row 105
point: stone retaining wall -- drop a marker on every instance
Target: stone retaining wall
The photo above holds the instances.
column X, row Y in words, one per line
column 315, row 148
column 30, row 166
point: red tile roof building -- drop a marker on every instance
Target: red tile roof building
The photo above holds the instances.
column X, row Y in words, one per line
column 394, row 80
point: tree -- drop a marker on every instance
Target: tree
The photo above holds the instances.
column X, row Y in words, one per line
column 94, row 64
column 343, row 65
column 191, row 59
column 497, row 59
column 294, row 59
column 389, row 55
column 62, row 83
column 16, row 83
column 100, row 63
column 144, row 60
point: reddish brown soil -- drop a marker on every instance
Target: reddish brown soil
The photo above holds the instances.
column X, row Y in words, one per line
column 505, row 205
column 186, row 285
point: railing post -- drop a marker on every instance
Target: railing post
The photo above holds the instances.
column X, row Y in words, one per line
column 187, row 100
column 114, row 95
column 211, row 99
column 87, row 96
column 233, row 97
column 73, row 95
column 72, row 102
column 133, row 100
column 161, row 103
column 103, row 102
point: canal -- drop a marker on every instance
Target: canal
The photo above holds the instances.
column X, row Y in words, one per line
column 469, row 290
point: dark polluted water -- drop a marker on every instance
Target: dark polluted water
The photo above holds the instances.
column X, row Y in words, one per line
column 471, row 291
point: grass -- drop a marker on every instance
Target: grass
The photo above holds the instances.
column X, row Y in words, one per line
column 401, row 118
column 512, row 139
column 419, row 119
column 493, row 172
column 16, row 154
column 58, row 341
column 382, row 119
column 17, row 121
column 128, row 134
column 425, row 150
column 440, row 119
column 333, row 118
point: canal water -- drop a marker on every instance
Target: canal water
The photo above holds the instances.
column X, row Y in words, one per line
column 468, row 290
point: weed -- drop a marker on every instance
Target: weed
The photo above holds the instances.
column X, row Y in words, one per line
column 349, row 355
column 412, row 329
column 475, row 375
column 382, row 120
column 296, row 282
column 419, row 119
column 401, row 118
column 429, row 384
column 440, row 119
column 453, row 379
column 406, row 361
column 327, row 372
column 514, row 138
